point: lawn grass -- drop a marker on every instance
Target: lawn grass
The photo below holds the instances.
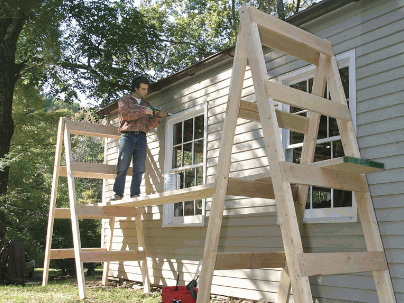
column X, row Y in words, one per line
column 62, row 289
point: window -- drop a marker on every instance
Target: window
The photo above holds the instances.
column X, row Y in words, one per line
column 323, row 204
column 185, row 164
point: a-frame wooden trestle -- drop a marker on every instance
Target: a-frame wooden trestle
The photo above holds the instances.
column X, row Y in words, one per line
column 257, row 29
column 285, row 182
column 74, row 170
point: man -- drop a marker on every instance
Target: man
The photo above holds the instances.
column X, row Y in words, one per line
column 136, row 118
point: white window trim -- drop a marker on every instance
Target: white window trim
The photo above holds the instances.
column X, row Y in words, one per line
column 339, row 214
column 168, row 209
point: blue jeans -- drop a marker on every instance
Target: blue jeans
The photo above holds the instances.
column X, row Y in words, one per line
column 131, row 145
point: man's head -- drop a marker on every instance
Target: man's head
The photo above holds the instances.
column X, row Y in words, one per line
column 140, row 86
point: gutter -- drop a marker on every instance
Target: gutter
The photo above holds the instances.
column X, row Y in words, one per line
column 313, row 12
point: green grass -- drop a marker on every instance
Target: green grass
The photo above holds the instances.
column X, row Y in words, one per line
column 61, row 289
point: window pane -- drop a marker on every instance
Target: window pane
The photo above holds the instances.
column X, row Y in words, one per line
column 178, row 210
column 322, row 130
column 342, row 198
column 188, row 130
column 321, row 197
column 308, row 198
column 189, row 177
column 323, row 152
column 198, row 151
column 182, row 183
column 300, row 86
column 189, row 208
column 177, row 156
column 337, row 149
column 188, row 154
column 344, row 74
column 297, row 155
column 333, row 127
column 296, row 138
column 198, row 209
column 199, row 127
column 177, row 139
column 199, row 175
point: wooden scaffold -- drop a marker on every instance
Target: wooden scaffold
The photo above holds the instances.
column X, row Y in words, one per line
column 285, row 182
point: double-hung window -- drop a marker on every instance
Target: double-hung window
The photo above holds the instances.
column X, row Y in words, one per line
column 323, row 204
column 185, row 164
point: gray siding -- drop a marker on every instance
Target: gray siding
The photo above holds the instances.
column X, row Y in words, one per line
column 375, row 29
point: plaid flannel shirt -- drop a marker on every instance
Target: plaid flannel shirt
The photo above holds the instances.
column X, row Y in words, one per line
column 132, row 116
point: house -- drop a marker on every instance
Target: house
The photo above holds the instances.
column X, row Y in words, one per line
column 368, row 38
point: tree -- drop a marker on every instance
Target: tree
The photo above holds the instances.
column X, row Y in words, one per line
column 192, row 30
column 62, row 47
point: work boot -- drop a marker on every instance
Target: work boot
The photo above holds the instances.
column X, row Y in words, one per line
column 117, row 197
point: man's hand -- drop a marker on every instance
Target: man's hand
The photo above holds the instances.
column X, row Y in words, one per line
column 149, row 111
column 162, row 114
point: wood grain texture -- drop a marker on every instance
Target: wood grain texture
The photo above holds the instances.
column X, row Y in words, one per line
column 340, row 263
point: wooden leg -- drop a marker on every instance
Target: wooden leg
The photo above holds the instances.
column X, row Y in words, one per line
column 223, row 169
column 370, row 227
column 109, row 247
column 142, row 247
column 52, row 205
column 74, row 218
column 284, row 287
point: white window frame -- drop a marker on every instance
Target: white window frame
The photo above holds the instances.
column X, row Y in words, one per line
column 338, row 214
column 168, row 209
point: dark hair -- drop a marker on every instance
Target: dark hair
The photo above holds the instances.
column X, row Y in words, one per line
column 136, row 82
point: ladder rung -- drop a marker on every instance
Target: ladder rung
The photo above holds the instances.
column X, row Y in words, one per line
column 107, row 256
column 341, row 263
column 350, row 164
column 297, row 98
column 173, row 196
column 95, row 130
column 289, row 39
column 249, row 110
column 228, row 261
column 92, row 170
column 68, row 253
column 95, row 212
column 251, row 189
column 329, row 178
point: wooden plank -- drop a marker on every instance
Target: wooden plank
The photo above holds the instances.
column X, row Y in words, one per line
column 249, row 110
column 68, row 253
column 323, row 177
column 317, row 104
column 312, row 264
column 110, row 256
column 227, row 261
column 95, row 212
column 223, row 169
column 92, row 170
column 274, row 148
column 251, row 189
column 73, row 215
column 350, row 164
column 281, row 30
column 95, row 130
column 106, row 266
column 173, row 196
column 142, row 248
column 52, row 204
column 366, row 211
column 284, row 287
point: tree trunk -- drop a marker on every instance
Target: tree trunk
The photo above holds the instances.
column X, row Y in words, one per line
column 280, row 8
column 11, row 24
